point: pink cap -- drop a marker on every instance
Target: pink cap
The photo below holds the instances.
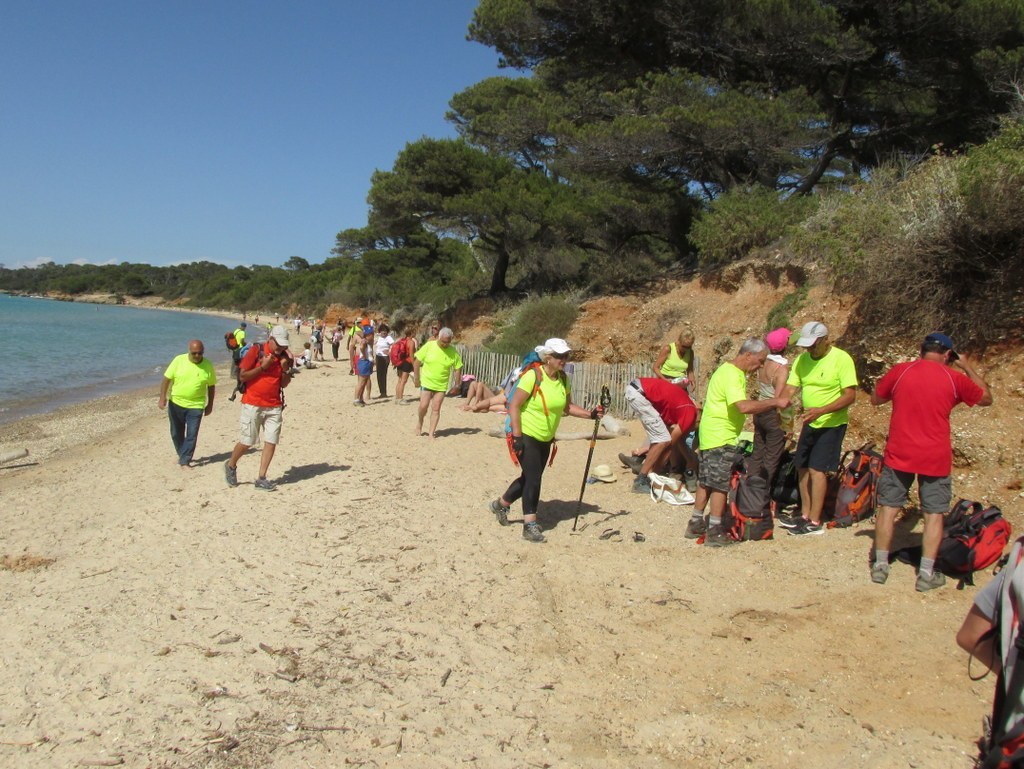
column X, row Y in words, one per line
column 778, row 339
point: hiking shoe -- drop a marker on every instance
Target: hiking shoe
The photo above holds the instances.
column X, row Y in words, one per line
column 500, row 511
column 787, row 520
column 642, row 485
column 718, row 537
column 924, row 584
column 879, row 573
column 691, row 481
column 633, row 463
column 696, row 527
column 230, row 474
column 264, row 485
column 532, row 532
column 807, row 527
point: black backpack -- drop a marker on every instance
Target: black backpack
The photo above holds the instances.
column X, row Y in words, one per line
column 786, row 489
column 749, row 507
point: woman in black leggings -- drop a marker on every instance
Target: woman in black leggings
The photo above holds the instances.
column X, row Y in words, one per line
column 539, row 401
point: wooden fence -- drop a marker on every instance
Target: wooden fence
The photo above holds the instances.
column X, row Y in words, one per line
column 587, row 379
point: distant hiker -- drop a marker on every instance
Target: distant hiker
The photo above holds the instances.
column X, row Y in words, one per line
column 668, row 415
column 382, row 357
column 433, row 364
column 539, row 401
column 826, row 377
column 236, row 355
column 402, row 352
column 923, row 393
column 364, row 365
column 725, row 409
column 336, row 336
column 317, row 339
column 265, row 373
column 676, row 359
column 769, row 430
column 192, row 383
column 354, row 336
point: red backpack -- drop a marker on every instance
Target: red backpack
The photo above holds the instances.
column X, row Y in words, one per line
column 973, row 538
column 749, row 506
column 399, row 351
column 857, row 492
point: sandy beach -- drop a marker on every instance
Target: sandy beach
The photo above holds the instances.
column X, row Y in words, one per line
column 370, row 612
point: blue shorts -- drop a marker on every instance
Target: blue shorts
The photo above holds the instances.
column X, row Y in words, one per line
column 364, row 367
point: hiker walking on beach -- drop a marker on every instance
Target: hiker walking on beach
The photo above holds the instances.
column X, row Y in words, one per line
column 364, row 365
column 826, row 377
column 406, row 350
column 265, row 373
column 236, row 356
column 923, row 393
column 539, row 401
column 770, row 427
column 668, row 415
column 192, row 382
column 725, row 409
column 432, row 367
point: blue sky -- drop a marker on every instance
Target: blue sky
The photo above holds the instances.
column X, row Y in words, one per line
column 234, row 132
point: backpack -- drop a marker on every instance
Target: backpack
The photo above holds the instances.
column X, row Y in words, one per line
column 786, row 489
column 399, row 353
column 230, row 341
column 749, row 506
column 530, row 363
column 240, row 386
column 857, row 492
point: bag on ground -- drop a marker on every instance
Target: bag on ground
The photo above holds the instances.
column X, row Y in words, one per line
column 749, row 506
column 786, row 489
column 668, row 489
column 857, row 494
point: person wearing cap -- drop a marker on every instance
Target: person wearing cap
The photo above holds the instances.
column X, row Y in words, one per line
column 236, row 355
column 725, row 409
column 432, row 368
column 668, row 415
column 540, row 400
column 827, row 379
column 192, row 382
column 923, row 392
column 769, row 430
column 264, row 370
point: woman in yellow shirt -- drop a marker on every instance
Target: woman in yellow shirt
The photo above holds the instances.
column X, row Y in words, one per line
column 535, row 411
column 676, row 359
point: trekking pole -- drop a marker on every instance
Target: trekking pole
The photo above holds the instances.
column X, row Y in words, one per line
column 606, row 401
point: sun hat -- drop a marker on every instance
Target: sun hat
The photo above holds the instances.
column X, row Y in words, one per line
column 557, row 345
column 944, row 341
column 604, row 473
column 778, row 339
column 280, row 335
column 811, row 333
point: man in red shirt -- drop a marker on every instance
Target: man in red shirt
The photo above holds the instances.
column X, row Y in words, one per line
column 668, row 415
column 264, row 370
column 923, row 393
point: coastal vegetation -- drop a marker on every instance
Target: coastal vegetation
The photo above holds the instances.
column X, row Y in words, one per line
column 865, row 138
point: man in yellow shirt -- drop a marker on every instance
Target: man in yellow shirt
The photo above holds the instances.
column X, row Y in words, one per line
column 192, row 381
column 828, row 383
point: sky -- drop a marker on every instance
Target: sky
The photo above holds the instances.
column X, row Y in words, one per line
column 238, row 132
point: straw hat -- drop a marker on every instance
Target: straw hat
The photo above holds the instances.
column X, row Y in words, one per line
column 604, row 473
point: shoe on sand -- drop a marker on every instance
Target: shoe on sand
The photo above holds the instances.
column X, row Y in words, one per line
column 926, row 583
column 532, row 532
column 230, row 474
column 500, row 512
column 879, row 573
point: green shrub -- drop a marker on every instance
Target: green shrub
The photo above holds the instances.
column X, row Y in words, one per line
column 744, row 219
column 534, row 321
column 781, row 315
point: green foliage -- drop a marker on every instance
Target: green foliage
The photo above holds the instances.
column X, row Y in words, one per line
column 534, row 321
column 745, row 219
column 781, row 315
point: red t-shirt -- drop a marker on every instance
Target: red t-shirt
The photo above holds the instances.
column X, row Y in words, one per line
column 671, row 401
column 923, row 393
column 264, row 389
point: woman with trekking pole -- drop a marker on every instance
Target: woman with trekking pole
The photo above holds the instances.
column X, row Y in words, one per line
column 539, row 401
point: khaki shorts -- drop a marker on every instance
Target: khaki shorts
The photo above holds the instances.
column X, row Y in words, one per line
column 935, row 492
column 653, row 424
column 255, row 417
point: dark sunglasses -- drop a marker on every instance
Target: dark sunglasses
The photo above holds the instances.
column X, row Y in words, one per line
column 560, row 355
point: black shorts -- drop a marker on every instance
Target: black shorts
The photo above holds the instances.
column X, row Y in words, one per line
column 819, row 448
column 405, row 368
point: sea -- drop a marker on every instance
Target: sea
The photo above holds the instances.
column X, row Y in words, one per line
column 60, row 353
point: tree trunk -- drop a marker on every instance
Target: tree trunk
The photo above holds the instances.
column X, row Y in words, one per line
column 500, row 271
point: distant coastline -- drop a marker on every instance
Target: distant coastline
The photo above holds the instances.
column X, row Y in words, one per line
column 146, row 302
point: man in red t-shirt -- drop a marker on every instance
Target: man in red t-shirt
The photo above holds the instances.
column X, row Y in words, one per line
column 668, row 415
column 923, row 393
column 264, row 370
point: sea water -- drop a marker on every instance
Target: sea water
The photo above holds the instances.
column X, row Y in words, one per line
column 59, row 353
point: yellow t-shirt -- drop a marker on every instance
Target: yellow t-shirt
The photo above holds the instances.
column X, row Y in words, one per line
column 721, row 422
column 239, row 337
column 675, row 365
column 189, row 381
column 822, row 381
column 436, row 364
column 553, row 394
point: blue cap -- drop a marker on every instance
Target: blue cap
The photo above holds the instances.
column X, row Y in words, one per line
column 944, row 341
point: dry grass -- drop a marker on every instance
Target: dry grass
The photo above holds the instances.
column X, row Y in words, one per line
column 24, row 562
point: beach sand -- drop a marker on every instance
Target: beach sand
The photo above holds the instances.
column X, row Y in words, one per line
column 371, row 612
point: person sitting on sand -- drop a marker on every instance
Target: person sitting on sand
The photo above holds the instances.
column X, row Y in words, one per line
column 480, row 399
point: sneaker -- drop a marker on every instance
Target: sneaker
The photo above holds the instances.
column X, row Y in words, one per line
column 924, row 584
column 788, row 521
column 500, row 512
column 696, row 527
column 358, row 403
column 532, row 532
column 807, row 527
column 642, row 485
column 264, row 485
column 633, row 463
column 718, row 537
column 691, row 481
column 879, row 573
column 230, row 474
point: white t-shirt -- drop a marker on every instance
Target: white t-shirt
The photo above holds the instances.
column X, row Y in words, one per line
column 382, row 345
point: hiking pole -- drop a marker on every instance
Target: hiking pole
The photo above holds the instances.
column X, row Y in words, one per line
column 606, row 401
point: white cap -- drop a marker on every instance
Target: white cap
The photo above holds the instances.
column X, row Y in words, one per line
column 811, row 333
column 557, row 345
column 280, row 335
